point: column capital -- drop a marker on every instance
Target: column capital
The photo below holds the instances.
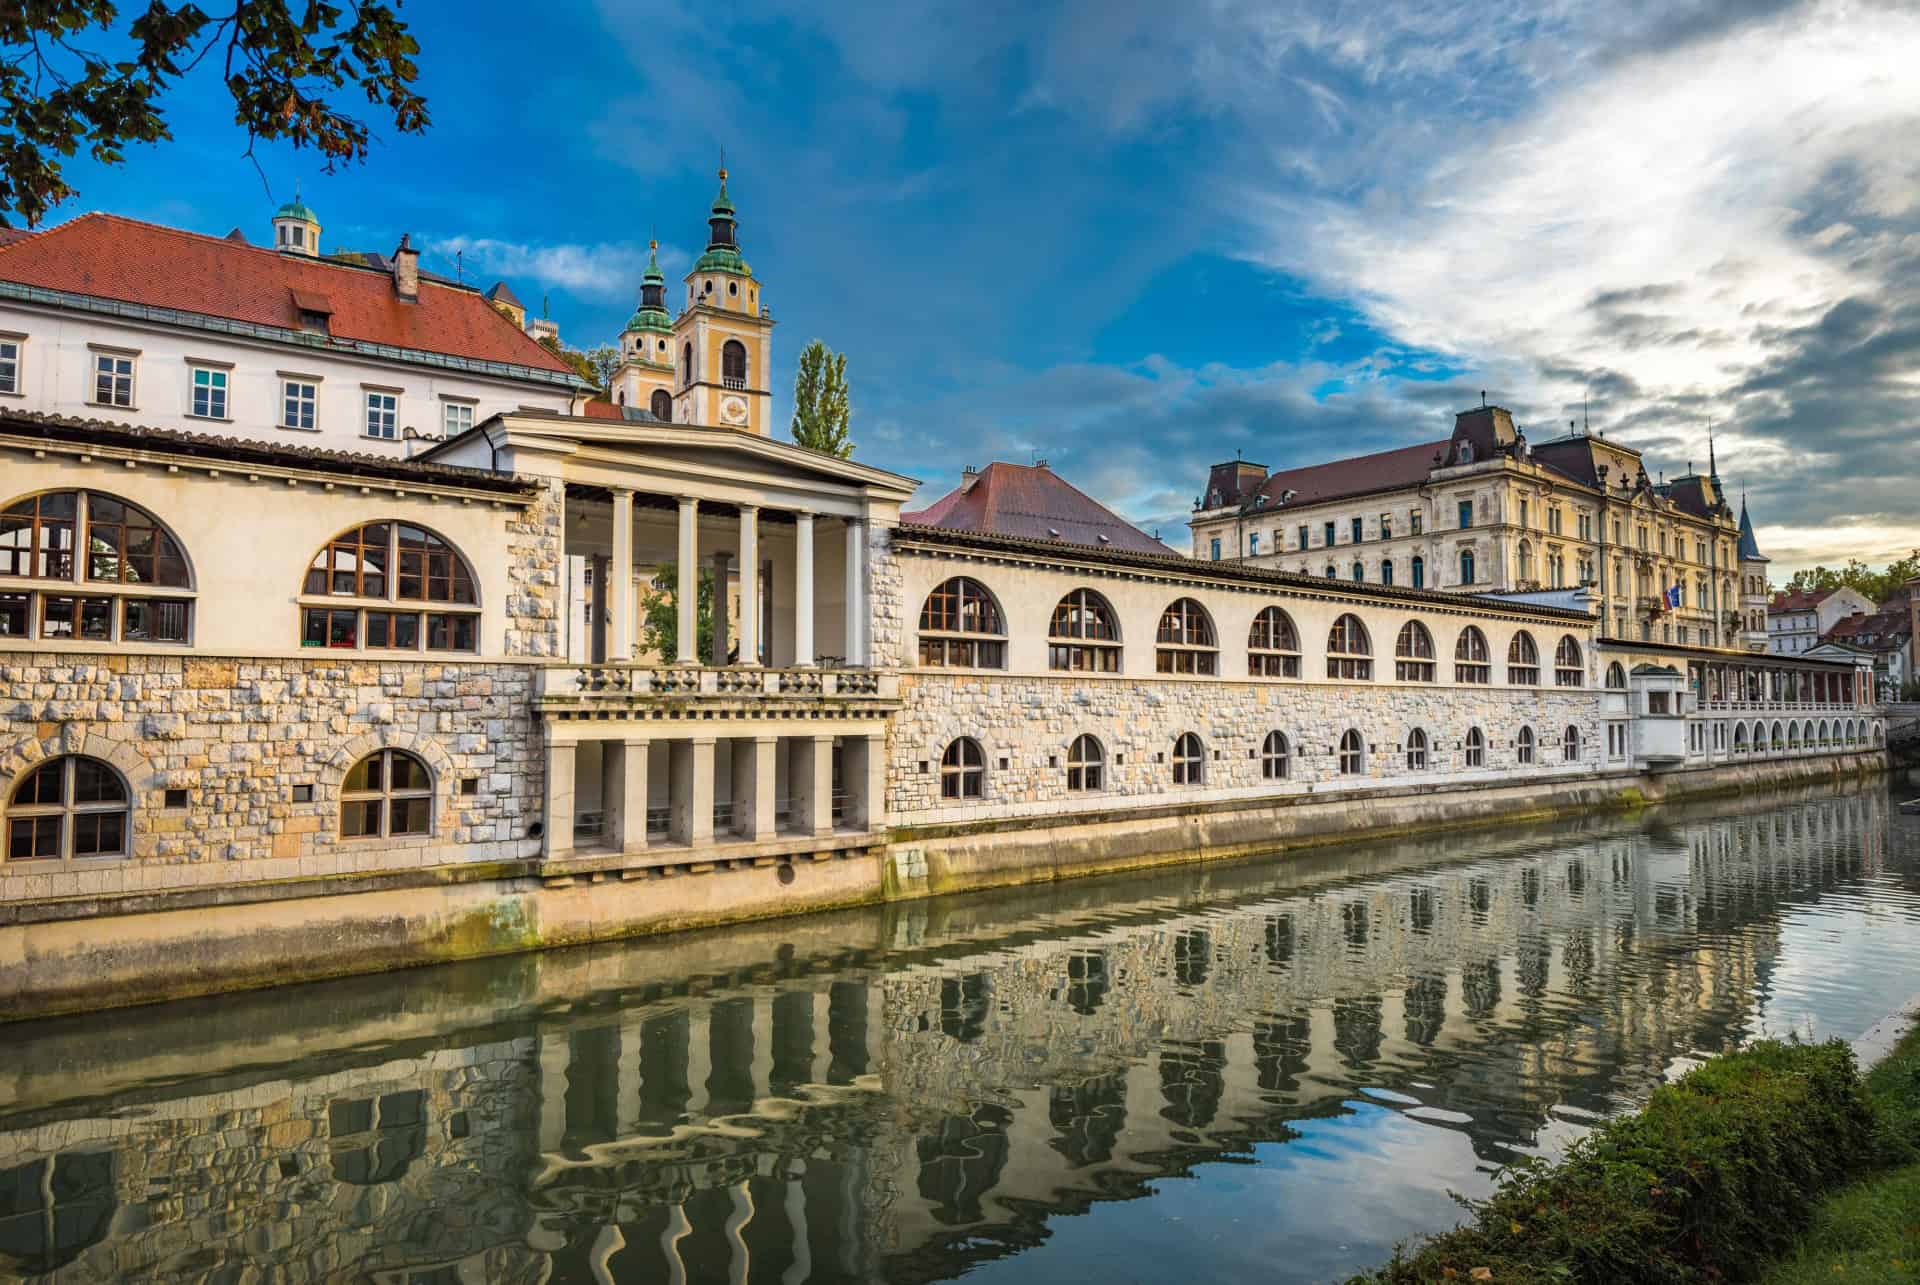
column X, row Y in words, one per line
column 745, row 509
column 621, row 492
column 803, row 515
column 688, row 501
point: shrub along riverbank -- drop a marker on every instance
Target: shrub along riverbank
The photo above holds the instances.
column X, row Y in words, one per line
column 1715, row 1179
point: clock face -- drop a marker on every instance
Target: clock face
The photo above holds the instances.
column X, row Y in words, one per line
column 733, row 410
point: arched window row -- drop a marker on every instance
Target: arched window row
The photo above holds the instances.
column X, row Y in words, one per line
column 412, row 591
column 125, row 577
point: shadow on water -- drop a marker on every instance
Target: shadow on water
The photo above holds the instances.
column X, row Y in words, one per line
column 1285, row 1065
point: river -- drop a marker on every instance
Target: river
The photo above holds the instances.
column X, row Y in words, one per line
column 1265, row 1069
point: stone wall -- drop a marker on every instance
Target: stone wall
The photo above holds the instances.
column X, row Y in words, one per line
column 536, row 546
column 886, row 612
column 242, row 736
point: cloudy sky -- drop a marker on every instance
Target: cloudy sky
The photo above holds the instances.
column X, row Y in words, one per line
column 1135, row 243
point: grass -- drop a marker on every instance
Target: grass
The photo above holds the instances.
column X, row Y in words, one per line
column 1869, row 1232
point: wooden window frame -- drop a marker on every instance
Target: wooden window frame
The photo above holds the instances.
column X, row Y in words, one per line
column 384, row 796
column 65, row 811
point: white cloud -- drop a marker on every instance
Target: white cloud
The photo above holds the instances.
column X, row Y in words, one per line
column 607, row 270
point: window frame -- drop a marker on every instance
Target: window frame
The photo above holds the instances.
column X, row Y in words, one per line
column 302, row 404
column 1472, row 657
column 1410, row 663
column 1276, row 757
column 13, row 366
column 1186, row 642
column 218, row 390
column 65, row 811
column 1571, row 744
column 1189, row 759
column 1269, row 654
column 374, row 415
column 346, row 620
column 961, row 780
column 452, row 409
column 1086, row 764
column 106, row 382
column 1523, row 660
column 958, row 645
column 1475, row 747
column 64, row 600
column 386, row 794
column 1569, row 663
column 1346, row 663
column 1351, row 755
column 1524, row 744
column 1072, row 640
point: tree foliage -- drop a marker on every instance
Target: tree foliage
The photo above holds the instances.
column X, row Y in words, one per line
column 602, row 361
column 660, row 616
column 1875, row 586
column 582, row 364
column 821, row 409
column 72, row 77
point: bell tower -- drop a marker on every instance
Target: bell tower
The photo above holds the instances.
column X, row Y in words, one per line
column 645, row 378
column 723, row 341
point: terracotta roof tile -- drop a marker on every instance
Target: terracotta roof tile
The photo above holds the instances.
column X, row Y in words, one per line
column 1359, row 475
column 1034, row 503
column 109, row 257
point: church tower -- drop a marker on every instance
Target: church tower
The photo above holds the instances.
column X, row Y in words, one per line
column 1753, row 586
column 645, row 377
column 723, row 341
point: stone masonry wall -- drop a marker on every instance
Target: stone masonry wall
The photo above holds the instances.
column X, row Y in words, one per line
column 886, row 613
column 536, row 546
column 242, row 736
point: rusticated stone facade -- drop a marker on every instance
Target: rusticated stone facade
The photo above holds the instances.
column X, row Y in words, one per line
column 243, row 738
column 535, row 586
column 885, row 610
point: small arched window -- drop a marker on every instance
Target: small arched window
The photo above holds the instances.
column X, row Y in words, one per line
column 1086, row 763
column 1349, row 650
column 1616, row 677
column 1523, row 661
column 1570, row 744
column 1273, row 645
column 1524, row 562
column 963, row 770
column 1416, row 750
column 1779, row 739
column 1084, row 636
column 1466, row 566
column 1476, row 747
column 1275, row 757
column 1419, row 569
column 1333, row 572
column 1569, row 670
column 733, row 364
column 1185, row 644
column 1353, row 753
column 1413, row 654
column 686, row 364
column 1739, row 738
column 660, row 405
column 1189, row 760
column 1472, row 662
column 961, row 625
column 387, row 794
column 1359, row 571
column 394, row 562
column 129, row 555
column 68, row 807
column 1793, row 736
column 1523, row 746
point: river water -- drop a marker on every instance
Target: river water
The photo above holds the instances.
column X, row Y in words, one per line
column 1267, row 1069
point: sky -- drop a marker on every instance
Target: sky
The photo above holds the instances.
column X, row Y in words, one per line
column 1134, row 241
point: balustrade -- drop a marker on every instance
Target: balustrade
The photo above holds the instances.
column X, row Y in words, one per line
column 573, row 682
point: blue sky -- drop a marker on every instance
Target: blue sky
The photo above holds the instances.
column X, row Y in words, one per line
column 1135, row 245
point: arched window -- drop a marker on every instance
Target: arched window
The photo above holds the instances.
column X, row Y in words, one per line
column 733, row 364
column 68, row 807
column 961, row 625
column 1778, row 741
column 1466, row 566
column 1086, row 763
column 1273, row 646
column 1386, row 571
column 1275, row 755
column 1419, row 580
column 1793, row 736
column 1189, row 760
column 660, row 406
column 1569, row 670
column 1570, row 744
column 1413, row 654
column 963, row 770
column 1616, row 677
column 1084, row 636
column 1524, row 566
column 1523, row 746
column 1349, row 650
column 1523, row 661
column 1472, row 662
column 1416, row 750
column 1353, row 753
column 394, row 562
column 388, row 793
column 1359, row 571
column 1825, row 735
column 129, row 555
column 1333, row 572
column 1185, row 644
column 686, row 364
column 1476, row 747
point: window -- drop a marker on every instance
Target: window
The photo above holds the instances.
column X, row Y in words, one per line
column 1213, row 549
column 1333, row 572
column 113, row 379
column 1386, row 571
column 1416, row 751
column 1303, row 536
column 68, row 807
column 383, row 413
column 1657, row 702
column 394, row 562
column 1472, row 662
column 1189, row 760
column 126, row 547
column 1274, row 756
column 1084, row 637
column 1253, row 543
column 1359, row 571
column 9, row 365
column 1466, row 514
column 1466, row 566
column 299, row 403
column 388, row 794
column 1570, row 744
column 1523, row 747
column 371, row 1141
column 686, row 364
column 1413, row 654
column 1185, row 644
column 1329, row 534
column 1349, row 650
column 1359, row 527
column 961, row 625
column 1553, row 521
column 1419, row 580
column 733, row 365
column 1523, row 561
column 1353, row 753
column 456, row 418
column 1273, row 648
column 1476, row 747
column 660, row 405
column 209, row 393
column 1523, row 661
column 1616, row 677
column 1568, row 668
column 963, row 770
column 1086, row 763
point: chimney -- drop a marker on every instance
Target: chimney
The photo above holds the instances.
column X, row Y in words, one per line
column 968, row 476
column 406, row 269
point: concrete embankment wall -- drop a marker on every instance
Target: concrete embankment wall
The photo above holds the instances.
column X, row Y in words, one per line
column 78, row 955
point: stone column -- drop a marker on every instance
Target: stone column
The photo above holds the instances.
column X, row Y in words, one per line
column 863, row 767
column 803, row 589
column 753, row 786
column 687, row 652
column 559, row 802
column 625, row 791
column 749, row 585
column 856, row 592
column 619, row 596
column 722, row 564
column 691, row 786
column 811, row 779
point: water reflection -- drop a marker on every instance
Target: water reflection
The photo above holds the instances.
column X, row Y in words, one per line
column 1276, row 1067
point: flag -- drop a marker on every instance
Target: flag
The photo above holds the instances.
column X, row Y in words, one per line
column 1673, row 596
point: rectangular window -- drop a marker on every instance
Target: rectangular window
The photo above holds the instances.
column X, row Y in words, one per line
column 1656, row 702
column 153, row 620
column 451, row 633
column 1329, row 534
column 1413, row 521
column 9, row 365
column 456, row 418
column 1253, row 543
column 399, row 630
column 1386, row 526
column 299, row 403
column 326, row 627
column 1358, row 528
column 16, row 614
column 1466, row 514
column 1303, row 537
column 1214, row 549
column 209, row 393
column 1523, row 514
column 64, row 616
column 112, row 379
column 383, row 413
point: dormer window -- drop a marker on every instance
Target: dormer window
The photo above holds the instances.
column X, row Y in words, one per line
column 1466, row 452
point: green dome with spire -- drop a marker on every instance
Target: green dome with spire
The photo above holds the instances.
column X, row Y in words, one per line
column 295, row 210
column 653, row 297
column 723, row 246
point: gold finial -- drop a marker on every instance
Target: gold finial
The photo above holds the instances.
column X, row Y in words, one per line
column 653, row 245
column 723, row 173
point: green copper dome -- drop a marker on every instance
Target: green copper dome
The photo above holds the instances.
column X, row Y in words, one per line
column 648, row 319
column 723, row 243
column 653, row 297
column 722, row 258
column 295, row 210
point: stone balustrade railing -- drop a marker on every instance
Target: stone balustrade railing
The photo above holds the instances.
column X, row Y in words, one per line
column 731, row 682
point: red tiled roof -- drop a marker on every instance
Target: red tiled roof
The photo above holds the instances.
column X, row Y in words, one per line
column 1880, row 631
column 600, row 408
column 1034, row 503
column 9, row 235
column 109, row 257
column 1799, row 599
column 1383, row 470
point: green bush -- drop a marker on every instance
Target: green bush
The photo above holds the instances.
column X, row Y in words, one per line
column 1708, row 1182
